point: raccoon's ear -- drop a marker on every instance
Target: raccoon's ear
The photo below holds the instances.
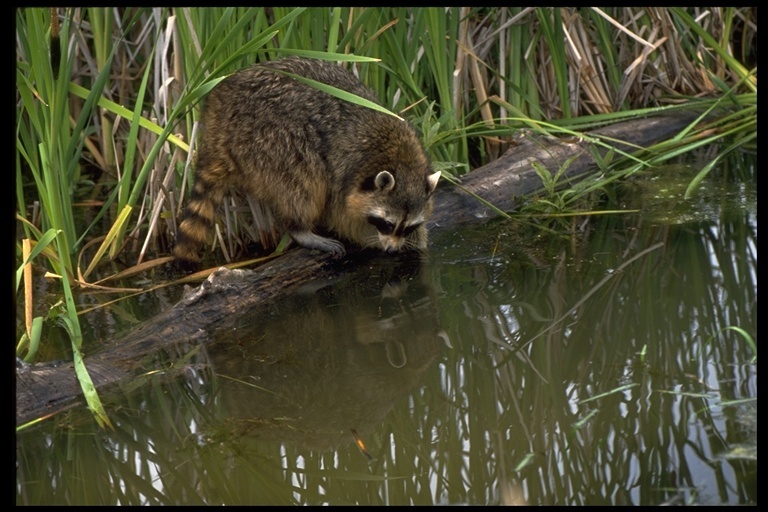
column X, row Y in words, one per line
column 432, row 181
column 384, row 181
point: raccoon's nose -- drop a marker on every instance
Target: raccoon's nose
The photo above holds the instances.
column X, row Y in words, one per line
column 389, row 246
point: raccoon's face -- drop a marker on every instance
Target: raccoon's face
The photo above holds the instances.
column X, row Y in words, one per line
column 399, row 214
column 393, row 231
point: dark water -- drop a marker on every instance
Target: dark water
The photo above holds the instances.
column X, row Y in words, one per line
column 615, row 365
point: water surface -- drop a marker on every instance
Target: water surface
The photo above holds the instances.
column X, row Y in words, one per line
column 608, row 366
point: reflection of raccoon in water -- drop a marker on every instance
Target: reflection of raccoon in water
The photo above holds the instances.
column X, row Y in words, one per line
column 337, row 354
column 318, row 163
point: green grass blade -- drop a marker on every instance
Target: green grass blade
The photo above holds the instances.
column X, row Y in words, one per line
column 117, row 228
column 341, row 94
column 131, row 144
column 31, row 343
column 119, row 110
column 329, row 56
column 72, row 325
column 40, row 245
column 619, row 389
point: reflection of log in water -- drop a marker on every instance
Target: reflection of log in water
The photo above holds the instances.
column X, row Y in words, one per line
column 315, row 365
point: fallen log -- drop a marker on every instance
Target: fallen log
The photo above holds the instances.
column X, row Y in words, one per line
column 46, row 389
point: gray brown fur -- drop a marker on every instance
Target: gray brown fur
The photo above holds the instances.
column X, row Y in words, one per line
column 315, row 161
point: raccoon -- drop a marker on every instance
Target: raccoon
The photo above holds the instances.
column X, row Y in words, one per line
column 326, row 169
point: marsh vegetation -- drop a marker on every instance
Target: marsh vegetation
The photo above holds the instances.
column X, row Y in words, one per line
column 108, row 103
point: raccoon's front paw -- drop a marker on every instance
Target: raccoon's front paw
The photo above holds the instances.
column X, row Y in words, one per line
column 314, row 241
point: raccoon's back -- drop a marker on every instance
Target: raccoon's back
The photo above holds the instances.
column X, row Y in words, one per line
column 262, row 98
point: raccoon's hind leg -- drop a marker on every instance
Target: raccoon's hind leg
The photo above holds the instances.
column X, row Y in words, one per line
column 301, row 200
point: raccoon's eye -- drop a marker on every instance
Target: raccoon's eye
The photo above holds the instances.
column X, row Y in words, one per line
column 384, row 226
column 410, row 229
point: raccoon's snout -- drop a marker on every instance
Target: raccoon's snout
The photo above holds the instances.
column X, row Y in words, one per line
column 390, row 244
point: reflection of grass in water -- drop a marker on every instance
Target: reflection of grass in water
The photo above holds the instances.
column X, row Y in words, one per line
column 508, row 403
column 494, row 415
